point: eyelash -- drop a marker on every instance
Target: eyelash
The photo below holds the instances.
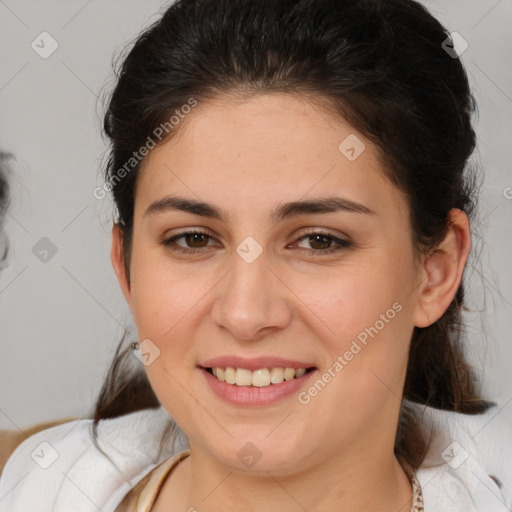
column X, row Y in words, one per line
column 342, row 244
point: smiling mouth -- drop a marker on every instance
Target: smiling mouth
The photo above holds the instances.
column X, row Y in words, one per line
column 260, row 378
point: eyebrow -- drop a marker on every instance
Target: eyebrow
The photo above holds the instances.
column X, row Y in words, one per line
column 281, row 212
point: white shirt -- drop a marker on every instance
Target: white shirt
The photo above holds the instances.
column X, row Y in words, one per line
column 61, row 470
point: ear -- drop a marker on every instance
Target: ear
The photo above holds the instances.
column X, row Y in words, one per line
column 116, row 256
column 441, row 271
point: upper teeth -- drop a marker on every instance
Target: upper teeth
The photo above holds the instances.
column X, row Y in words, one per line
column 259, row 378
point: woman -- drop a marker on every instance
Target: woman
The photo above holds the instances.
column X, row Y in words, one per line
column 294, row 205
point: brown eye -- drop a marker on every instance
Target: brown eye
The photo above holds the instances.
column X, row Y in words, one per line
column 195, row 239
column 194, row 242
column 324, row 242
column 321, row 243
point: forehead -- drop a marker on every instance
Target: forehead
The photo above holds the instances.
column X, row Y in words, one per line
column 252, row 151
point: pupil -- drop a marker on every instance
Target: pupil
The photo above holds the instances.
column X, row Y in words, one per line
column 313, row 239
column 194, row 237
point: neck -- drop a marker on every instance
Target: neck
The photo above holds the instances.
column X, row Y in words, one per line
column 363, row 483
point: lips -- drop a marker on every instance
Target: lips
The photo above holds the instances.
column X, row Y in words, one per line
column 259, row 381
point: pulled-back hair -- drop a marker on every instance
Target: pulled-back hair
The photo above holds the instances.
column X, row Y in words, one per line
column 378, row 64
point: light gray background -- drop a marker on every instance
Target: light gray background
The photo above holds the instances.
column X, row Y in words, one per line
column 61, row 320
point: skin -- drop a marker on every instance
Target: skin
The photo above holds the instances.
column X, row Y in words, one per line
column 247, row 156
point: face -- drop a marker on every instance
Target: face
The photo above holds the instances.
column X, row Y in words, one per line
column 331, row 288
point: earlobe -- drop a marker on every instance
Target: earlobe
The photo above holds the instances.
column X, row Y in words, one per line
column 442, row 271
column 117, row 258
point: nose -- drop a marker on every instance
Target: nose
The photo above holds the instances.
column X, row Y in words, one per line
column 251, row 300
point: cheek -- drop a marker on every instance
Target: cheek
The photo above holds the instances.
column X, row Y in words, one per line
column 163, row 308
column 160, row 294
column 366, row 319
column 366, row 346
column 353, row 301
column 169, row 303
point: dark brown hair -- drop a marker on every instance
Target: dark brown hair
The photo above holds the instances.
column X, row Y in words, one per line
column 4, row 204
column 381, row 66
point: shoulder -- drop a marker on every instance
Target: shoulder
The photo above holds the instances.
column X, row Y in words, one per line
column 10, row 439
column 468, row 465
column 61, row 468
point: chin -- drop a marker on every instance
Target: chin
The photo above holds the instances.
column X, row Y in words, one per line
column 259, row 455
